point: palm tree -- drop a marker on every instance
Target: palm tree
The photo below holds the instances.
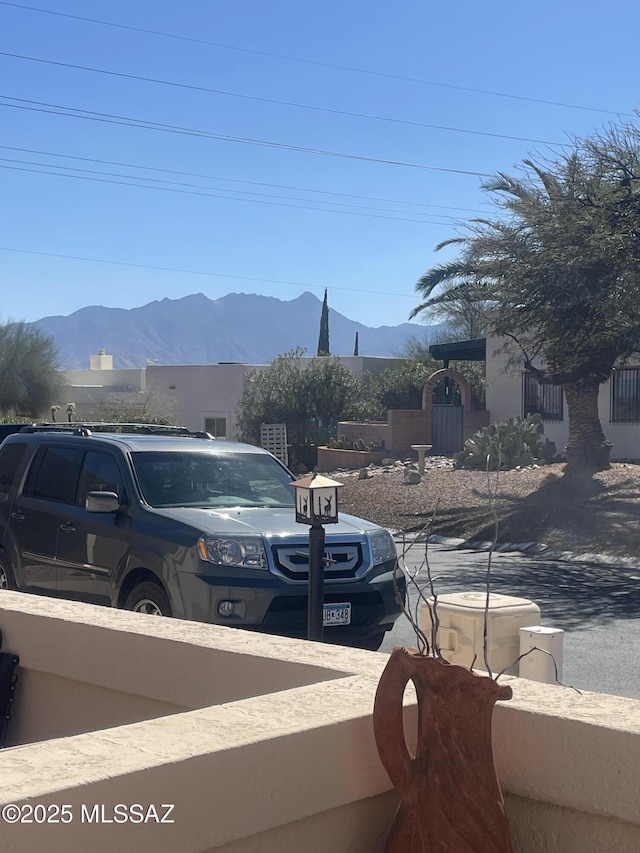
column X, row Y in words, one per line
column 557, row 274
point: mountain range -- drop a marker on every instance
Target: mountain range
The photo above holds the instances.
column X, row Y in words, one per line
column 198, row 330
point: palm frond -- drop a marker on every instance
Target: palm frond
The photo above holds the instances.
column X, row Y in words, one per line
column 549, row 182
column 452, row 241
column 439, row 275
column 467, row 291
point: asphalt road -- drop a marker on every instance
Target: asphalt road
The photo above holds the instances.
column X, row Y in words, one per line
column 598, row 607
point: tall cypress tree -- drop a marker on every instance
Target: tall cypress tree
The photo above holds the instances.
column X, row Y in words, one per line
column 355, row 348
column 323, row 339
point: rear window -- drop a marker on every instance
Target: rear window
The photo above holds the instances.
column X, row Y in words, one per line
column 53, row 474
column 10, row 458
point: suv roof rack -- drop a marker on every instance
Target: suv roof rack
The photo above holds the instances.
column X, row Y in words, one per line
column 89, row 427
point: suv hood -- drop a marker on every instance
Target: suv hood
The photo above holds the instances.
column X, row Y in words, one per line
column 268, row 521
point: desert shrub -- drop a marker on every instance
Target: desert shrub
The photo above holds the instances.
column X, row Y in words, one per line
column 516, row 442
column 309, row 398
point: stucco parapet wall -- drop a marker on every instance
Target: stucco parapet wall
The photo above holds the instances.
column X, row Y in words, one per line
column 118, row 650
column 233, row 769
column 579, row 750
column 244, row 767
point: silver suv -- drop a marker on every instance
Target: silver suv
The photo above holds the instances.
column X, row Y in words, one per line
column 186, row 527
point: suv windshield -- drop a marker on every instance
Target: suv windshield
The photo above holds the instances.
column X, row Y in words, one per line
column 169, row 479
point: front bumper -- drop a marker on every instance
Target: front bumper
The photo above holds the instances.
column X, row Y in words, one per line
column 274, row 606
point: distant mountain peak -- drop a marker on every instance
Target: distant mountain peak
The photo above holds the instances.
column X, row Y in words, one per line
column 195, row 329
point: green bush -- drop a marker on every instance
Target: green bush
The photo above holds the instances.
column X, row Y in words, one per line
column 516, row 442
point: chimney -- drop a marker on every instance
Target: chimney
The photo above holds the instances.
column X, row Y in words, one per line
column 101, row 361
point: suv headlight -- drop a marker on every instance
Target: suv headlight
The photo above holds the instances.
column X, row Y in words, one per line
column 244, row 551
column 383, row 547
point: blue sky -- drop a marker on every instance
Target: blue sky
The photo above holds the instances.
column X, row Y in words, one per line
column 216, row 216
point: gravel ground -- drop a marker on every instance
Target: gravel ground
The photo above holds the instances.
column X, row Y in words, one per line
column 599, row 513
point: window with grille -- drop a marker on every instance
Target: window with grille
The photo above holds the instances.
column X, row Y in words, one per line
column 541, row 399
column 625, row 395
column 217, row 427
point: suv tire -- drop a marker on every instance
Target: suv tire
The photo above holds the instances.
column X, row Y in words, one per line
column 148, row 598
column 7, row 580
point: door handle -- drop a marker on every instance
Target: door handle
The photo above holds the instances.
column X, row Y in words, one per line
column 68, row 527
column 18, row 516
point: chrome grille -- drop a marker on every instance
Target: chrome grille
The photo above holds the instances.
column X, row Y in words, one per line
column 342, row 561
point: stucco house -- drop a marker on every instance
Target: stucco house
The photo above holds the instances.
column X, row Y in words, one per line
column 511, row 392
column 199, row 396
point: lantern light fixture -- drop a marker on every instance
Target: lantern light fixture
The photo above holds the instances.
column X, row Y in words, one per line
column 316, row 499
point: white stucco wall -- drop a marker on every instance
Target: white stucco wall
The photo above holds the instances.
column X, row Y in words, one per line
column 504, row 400
column 126, row 376
column 206, row 391
column 90, row 390
column 191, row 393
column 201, row 391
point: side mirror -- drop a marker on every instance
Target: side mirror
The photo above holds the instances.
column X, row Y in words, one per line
column 102, row 502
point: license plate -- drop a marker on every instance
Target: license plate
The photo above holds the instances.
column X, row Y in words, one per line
column 337, row 614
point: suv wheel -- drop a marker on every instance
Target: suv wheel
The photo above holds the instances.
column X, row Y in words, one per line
column 6, row 574
column 148, row 598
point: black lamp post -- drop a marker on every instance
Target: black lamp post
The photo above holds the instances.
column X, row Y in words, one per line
column 316, row 505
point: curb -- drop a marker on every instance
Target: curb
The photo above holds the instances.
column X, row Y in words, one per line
column 529, row 549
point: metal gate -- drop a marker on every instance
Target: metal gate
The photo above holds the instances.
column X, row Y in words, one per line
column 446, row 429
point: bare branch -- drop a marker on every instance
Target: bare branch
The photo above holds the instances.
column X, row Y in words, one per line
column 555, row 666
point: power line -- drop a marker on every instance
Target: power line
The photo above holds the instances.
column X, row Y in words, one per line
column 196, row 186
column 298, row 105
column 216, row 195
column 47, row 166
column 236, row 180
column 352, row 69
column 201, row 272
column 144, row 124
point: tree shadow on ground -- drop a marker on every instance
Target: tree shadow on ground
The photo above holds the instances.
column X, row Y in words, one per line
column 573, row 513
column 570, row 595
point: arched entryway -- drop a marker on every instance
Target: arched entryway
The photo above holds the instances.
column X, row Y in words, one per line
column 447, row 417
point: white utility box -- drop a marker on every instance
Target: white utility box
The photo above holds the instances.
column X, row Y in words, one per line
column 543, row 650
column 461, row 628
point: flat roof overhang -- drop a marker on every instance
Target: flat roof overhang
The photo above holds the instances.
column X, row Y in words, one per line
column 460, row 351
